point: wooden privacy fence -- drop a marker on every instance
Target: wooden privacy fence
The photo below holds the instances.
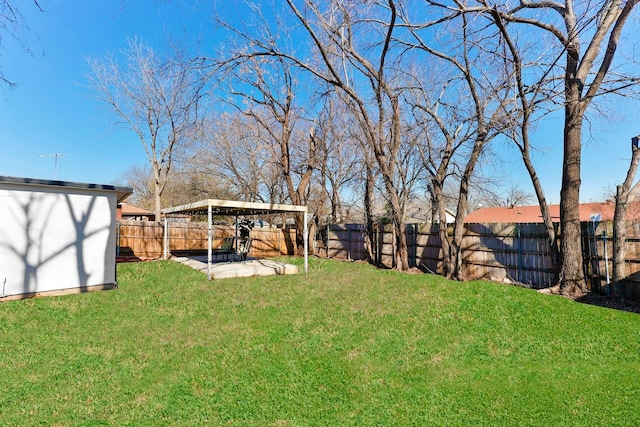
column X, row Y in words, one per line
column 501, row 252
column 513, row 252
column 342, row 241
column 145, row 239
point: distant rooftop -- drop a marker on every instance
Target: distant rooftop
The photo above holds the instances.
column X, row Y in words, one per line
column 128, row 209
column 532, row 214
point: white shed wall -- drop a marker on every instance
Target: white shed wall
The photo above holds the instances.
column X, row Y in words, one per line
column 55, row 238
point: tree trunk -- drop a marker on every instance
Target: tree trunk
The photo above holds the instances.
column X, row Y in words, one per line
column 572, row 279
column 157, row 194
column 448, row 265
column 299, row 221
column 397, row 216
column 368, row 213
column 334, row 199
column 402, row 251
column 546, row 214
column 619, row 236
column 463, row 194
column 619, row 222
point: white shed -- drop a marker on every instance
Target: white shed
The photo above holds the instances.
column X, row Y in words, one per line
column 57, row 236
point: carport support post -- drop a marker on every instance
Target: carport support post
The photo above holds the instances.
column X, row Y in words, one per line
column 209, row 239
column 236, row 239
column 165, row 239
column 306, row 244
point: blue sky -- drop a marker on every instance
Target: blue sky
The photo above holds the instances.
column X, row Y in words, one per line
column 51, row 111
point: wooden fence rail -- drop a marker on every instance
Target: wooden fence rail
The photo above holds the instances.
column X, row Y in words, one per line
column 145, row 239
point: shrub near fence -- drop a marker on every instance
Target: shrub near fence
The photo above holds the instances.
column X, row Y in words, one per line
column 502, row 252
column 145, row 239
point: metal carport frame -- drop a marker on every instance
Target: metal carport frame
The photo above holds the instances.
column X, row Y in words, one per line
column 234, row 208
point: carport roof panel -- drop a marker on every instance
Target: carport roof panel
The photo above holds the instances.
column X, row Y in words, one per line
column 232, row 207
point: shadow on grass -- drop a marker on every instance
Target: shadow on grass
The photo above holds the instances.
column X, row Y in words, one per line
column 615, row 303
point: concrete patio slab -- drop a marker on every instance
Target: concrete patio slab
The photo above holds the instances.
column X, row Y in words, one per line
column 249, row 268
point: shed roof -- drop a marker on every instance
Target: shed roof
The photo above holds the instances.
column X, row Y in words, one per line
column 232, row 207
column 122, row 192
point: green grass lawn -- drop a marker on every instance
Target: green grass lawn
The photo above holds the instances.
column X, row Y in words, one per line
column 345, row 345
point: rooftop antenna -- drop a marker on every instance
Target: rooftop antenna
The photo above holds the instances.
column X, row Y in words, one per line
column 55, row 161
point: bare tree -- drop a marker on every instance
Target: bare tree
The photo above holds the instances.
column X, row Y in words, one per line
column 339, row 154
column 370, row 175
column 189, row 182
column 369, row 73
column 268, row 92
column 505, row 82
column 531, row 95
column 13, row 24
column 465, row 124
column 156, row 97
column 140, row 179
column 587, row 36
column 367, row 78
column 514, row 196
column 337, row 56
column 238, row 154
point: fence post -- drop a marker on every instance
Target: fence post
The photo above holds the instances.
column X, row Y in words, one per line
column 117, row 238
column 377, row 246
column 348, row 242
column 165, row 239
column 209, row 241
column 519, row 254
column 595, row 263
column 416, row 229
column 606, row 257
column 328, row 240
column 393, row 247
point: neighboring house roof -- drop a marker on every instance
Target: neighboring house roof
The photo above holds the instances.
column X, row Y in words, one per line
column 634, row 192
column 450, row 215
column 132, row 210
column 421, row 217
column 529, row 214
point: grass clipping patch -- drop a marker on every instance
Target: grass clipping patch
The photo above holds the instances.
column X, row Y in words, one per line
column 347, row 344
